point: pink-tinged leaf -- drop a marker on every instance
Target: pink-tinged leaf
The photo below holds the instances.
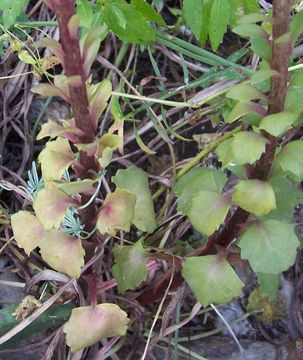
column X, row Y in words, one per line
column 108, row 143
column 98, row 94
column 76, row 187
column 49, row 90
column 117, row 212
column 63, row 252
column 50, row 207
column 51, row 44
column 55, row 158
column 91, row 149
column 88, row 325
column 89, row 45
column 244, row 108
column 67, row 130
column 28, row 232
column 73, row 26
column 63, row 82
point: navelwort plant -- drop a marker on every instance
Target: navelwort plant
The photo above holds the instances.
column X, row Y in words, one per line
column 264, row 152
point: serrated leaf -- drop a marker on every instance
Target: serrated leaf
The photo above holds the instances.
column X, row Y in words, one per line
column 89, row 324
column 63, row 252
column 50, row 206
column 211, row 279
column 290, row 158
column 127, row 22
column 247, row 147
column 136, row 181
column 117, row 212
column 219, row 19
column 245, row 92
column 270, row 246
column 130, row 267
column 196, row 180
column 224, row 152
column 207, row 211
column 55, row 158
column 278, row 124
column 255, row 196
column 244, row 108
column 148, row 11
column 28, row 232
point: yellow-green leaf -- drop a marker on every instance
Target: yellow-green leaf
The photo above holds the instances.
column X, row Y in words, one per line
column 107, row 144
column 63, row 252
column 255, row 196
column 290, row 158
column 87, row 325
column 117, row 212
column 55, row 158
column 50, row 206
column 211, row 279
column 277, row 124
column 28, row 232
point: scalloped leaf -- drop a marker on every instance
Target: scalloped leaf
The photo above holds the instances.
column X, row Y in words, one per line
column 136, row 181
column 27, row 230
column 63, row 252
column 198, row 179
column 55, row 158
column 270, row 246
column 278, row 124
column 211, row 279
column 247, row 147
column 88, row 325
column 52, row 129
column 50, row 206
column 130, row 267
column 290, row 158
column 207, row 211
column 117, row 212
column 255, row 196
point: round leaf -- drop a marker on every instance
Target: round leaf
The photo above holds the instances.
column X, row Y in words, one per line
column 269, row 246
column 290, row 158
column 211, row 279
column 277, row 124
column 255, row 196
column 87, row 325
column 63, row 252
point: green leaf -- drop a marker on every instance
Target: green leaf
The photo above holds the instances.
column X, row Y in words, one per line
column 107, row 144
column 270, row 246
column 296, row 26
column 55, row 158
column 11, row 10
column 247, row 147
column 89, row 324
column 67, row 130
column 127, row 22
column 63, row 252
column 192, row 10
column 117, row 212
column 76, row 187
column 290, row 158
column 251, row 31
column 136, row 181
column 291, row 100
column 211, row 279
column 255, row 196
column 251, row 6
column 262, row 48
column 130, row 267
column 50, row 206
column 148, row 12
column 288, row 195
column 245, row 92
column 85, row 12
column 196, row 180
column 244, row 108
column 269, row 284
column 207, row 211
column 28, row 232
column 278, row 124
column 219, row 19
